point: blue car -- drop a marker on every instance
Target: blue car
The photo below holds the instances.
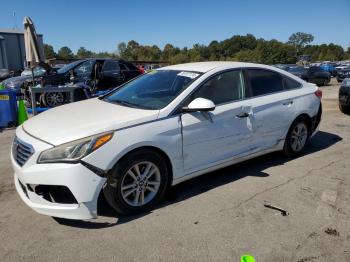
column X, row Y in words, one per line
column 329, row 68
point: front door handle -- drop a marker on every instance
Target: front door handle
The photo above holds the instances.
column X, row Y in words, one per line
column 242, row 115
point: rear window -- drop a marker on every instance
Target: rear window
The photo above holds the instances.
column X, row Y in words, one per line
column 264, row 81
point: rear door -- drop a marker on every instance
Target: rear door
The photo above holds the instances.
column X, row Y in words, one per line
column 272, row 106
column 213, row 137
column 129, row 71
column 111, row 75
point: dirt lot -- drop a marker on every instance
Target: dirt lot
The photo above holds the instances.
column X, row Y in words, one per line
column 216, row 217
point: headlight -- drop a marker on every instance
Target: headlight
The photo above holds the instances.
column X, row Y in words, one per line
column 73, row 151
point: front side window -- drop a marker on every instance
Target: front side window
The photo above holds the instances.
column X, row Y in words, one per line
column 264, row 82
column 84, row 68
column 154, row 90
column 223, row 88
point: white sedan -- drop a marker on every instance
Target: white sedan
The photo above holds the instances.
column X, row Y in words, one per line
column 158, row 130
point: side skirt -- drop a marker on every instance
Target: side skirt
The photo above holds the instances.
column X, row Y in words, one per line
column 230, row 162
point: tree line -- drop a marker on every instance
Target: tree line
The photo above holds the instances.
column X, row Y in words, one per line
column 245, row 48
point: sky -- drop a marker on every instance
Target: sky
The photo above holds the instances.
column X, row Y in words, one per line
column 101, row 25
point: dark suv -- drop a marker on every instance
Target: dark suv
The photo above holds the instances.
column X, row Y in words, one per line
column 313, row 74
column 342, row 74
column 98, row 74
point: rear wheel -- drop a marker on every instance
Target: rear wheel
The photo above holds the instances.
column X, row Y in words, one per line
column 344, row 109
column 137, row 183
column 297, row 138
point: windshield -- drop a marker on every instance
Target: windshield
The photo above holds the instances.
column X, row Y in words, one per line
column 154, row 90
column 297, row 70
column 68, row 67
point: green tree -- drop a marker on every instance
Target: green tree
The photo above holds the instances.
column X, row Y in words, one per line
column 299, row 40
column 121, row 50
column 65, row 52
column 49, row 51
column 84, row 53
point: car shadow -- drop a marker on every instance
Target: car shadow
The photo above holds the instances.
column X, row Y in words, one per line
column 206, row 182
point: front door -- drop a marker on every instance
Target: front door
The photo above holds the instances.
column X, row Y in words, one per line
column 210, row 138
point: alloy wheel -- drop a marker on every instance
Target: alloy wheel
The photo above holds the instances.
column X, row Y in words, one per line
column 53, row 99
column 299, row 137
column 140, row 184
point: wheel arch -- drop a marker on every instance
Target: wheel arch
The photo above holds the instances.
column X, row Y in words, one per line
column 305, row 117
column 155, row 149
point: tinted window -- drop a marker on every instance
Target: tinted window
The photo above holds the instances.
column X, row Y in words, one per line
column 122, row 67
column 315, row 69
column 223, row 88
column 264, row 82
column 110, row 66
column 154, row 90
column 289, row 83
column 130, row 66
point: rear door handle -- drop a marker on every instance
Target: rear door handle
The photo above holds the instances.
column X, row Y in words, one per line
column 242, row 115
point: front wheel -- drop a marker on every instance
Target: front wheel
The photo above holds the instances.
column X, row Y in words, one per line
column 296, row 139
column 137, row 183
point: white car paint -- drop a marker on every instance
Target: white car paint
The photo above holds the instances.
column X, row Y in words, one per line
column 195, row 143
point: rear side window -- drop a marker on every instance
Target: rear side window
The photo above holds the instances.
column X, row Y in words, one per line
column 290, row 84
column 264, row 82
column 222, row 88
column 109, row 66
column 122, row 66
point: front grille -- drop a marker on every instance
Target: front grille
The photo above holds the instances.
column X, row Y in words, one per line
column 21, row 151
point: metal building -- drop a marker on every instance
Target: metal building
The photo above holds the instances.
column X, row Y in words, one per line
column 12, row 52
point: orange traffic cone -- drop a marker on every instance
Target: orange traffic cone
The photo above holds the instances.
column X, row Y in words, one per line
column 22, row 113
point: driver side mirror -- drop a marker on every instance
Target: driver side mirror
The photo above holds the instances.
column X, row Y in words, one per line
column 199, row 104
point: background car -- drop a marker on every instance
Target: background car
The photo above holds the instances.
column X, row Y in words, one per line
column 313, row 74
column 100, row 74
column 285, row 66
column 328, row 67
column 343, row 73
column 344, row 96
column 38, row 71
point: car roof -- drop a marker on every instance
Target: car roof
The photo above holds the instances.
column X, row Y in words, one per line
column 204, row 67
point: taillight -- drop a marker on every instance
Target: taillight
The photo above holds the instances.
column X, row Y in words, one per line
column 318, row 93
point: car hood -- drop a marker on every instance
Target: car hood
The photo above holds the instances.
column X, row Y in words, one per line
column 81, row 119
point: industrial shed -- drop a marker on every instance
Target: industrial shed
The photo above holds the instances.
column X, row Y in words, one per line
column 12, row 51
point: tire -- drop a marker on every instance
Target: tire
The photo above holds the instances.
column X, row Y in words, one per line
column 53, row 99
column 344, row 109
column 123, row 200
column 291, row 147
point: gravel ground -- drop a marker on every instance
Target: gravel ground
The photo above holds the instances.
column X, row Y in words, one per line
column 216, row 217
